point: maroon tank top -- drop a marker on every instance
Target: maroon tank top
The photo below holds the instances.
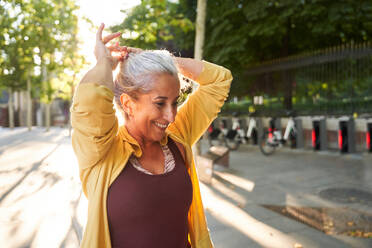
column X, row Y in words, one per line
column 150, row 210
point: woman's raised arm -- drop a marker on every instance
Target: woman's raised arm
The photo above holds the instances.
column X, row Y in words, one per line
column 188, row 67
column 203, row 105
column 92, row 112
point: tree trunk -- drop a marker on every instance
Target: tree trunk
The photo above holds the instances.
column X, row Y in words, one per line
column 47, row 116
column 29, row 104
column 11, row 108
column 200, row 29
column 198, row 49
column 287, row 78
column 45, row 82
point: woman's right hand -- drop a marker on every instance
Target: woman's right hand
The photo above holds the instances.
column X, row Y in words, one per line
column 101, row 51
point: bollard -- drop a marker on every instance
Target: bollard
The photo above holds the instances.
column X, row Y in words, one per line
column 346, row 135
column 319, row 134
column 300, row 133
column 369, row 136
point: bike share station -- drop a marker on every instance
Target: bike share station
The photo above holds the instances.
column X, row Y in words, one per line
column 334, row 134
column 344, row 134
column 281, row 131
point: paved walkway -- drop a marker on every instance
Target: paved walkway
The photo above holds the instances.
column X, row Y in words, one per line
column 241, row 199
column 41, row 204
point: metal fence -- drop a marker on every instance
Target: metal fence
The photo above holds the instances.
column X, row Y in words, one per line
column 332, row 81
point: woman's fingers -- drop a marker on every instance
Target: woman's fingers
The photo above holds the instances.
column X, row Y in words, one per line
column 110, row 37
column 134, row 50
column 99, row 32
column 116, row 48
column 118, row 52
column 106, row 38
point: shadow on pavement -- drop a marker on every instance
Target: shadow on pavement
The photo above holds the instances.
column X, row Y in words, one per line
column 34, row 167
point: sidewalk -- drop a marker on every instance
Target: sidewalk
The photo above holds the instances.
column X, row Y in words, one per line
column 41, row 204
column 250, row 203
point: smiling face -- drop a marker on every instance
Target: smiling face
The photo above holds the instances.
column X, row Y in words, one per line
column 152, row 112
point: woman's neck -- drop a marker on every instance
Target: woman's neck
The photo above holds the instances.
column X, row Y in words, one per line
column 142, row 142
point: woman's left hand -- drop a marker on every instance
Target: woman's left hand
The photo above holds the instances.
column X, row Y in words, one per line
column 114, row 53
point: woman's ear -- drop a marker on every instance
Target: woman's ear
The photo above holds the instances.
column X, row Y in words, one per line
column 127, row 103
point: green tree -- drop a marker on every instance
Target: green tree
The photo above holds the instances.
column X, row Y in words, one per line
column 241, row 34
column 155, row 24
column 40, row 43
column 244, row 33
column 15, row 51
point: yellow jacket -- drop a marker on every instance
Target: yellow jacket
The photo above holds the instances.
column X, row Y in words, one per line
column 103, row 149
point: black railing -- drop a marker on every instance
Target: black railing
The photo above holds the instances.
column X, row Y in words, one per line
column 332, row 81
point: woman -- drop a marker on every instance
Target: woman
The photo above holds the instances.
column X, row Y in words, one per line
column 140, row 179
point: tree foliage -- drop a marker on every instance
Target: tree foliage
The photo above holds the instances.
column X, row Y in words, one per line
column 155, row 24
column 37, row 37
column 241, row 34
column 244, row 33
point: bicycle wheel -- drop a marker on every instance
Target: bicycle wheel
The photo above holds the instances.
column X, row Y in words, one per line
column 267, row 147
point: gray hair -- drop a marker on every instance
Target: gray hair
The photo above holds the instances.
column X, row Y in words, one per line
column 137, row 72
